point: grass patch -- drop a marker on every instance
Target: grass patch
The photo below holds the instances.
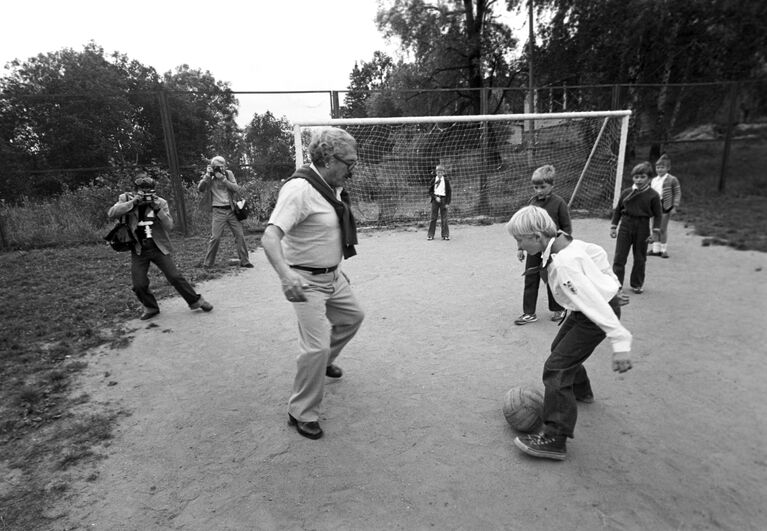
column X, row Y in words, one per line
column 60, row 302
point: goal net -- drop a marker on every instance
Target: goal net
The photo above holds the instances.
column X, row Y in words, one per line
column 489, row 160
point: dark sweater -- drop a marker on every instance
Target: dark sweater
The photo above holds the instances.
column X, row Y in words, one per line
column 644, row 204
column 557, row 209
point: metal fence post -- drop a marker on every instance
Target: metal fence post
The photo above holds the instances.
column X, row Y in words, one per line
column 728, row 136
column 173, row 166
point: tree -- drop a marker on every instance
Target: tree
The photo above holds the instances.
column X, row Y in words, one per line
column 268, row 146
column 457, row 44
column 366, row 83
column 653, row 41
column 68, row 109
column 203, row 113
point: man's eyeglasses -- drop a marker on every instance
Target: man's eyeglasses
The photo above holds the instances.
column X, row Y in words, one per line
column 349, row 165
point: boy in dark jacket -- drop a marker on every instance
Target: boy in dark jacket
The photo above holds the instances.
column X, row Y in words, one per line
column 555, row 206
column 636, row 206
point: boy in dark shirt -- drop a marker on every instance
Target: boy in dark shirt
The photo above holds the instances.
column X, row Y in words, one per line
column 636, row 206
column 543, row 184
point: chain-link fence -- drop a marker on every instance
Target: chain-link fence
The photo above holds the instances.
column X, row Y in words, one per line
column 55, row 144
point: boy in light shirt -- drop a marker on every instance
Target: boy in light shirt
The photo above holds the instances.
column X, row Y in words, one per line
column 582, row 281
column 670, row 193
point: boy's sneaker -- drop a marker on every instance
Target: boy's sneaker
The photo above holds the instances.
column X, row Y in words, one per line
column 542, row 445
column 558, row 316
column 526, row 318
column 586, row 399
column 664, row 254
column 637, row 290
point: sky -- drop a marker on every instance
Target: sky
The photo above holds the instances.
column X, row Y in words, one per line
column 255, row 45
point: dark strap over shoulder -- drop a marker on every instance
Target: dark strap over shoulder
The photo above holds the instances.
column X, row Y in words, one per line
column 343, row 208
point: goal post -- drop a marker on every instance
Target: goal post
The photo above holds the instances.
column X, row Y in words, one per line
column 489, row 160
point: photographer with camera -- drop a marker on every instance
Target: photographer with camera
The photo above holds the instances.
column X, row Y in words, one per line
column 219, row 189
column 148, row 218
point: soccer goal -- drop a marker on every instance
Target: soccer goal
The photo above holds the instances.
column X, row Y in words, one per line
column 489, row 160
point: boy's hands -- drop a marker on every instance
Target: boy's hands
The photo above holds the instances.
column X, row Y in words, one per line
column 621, row 361
column 521, row 255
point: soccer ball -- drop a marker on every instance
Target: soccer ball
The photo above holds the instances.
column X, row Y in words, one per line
column 523, row 408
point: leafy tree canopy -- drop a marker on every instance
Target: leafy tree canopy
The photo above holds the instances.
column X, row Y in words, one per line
column 456, row 44
column 268, row 146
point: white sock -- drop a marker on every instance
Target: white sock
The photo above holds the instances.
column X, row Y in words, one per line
column 663, row 247
column 655, row 247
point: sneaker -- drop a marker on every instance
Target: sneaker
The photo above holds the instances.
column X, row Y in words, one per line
column 430, row 238
column 445, row 237
column 201, row 304
column 526, row 318
column 664, row 254
column 637, row 290
column 558, row 316
column 653, row 253
column 542, row 445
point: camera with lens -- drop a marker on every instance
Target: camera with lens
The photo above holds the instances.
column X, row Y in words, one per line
column 217, row 170
column 146, row 196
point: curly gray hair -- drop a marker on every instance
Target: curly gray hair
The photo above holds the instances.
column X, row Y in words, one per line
column 329, row 141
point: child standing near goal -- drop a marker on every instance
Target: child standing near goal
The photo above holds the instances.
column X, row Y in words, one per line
column 543, row 185
column 441, row 194
column 636, row 206
column 582, row 281
column 667, row 187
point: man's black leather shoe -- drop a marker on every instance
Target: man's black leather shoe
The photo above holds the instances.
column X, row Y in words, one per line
column 333, row 371
column 148, row 314
column 310, row 430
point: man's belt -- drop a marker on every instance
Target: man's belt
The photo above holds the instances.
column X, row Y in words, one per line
column 315, row 270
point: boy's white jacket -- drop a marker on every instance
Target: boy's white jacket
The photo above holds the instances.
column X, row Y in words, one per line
column 581, row 279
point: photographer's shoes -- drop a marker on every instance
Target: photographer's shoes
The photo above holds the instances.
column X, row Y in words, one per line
column 201, row 304
column 148, row 314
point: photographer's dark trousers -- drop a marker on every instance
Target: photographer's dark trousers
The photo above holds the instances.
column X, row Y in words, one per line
column 140, row 267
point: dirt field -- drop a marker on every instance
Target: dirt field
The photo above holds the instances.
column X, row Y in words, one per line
column 414, row 433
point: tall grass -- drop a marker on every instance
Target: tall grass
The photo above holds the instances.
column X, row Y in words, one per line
column 79, row 216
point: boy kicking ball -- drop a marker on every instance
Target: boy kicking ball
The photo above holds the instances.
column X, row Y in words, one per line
column 582, row 281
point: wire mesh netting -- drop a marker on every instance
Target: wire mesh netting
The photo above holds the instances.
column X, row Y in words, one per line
column 489, row 164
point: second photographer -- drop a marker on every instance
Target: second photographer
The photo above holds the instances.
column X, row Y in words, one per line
column 219, row 189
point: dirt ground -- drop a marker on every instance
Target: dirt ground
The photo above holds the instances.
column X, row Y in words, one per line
column 414, row 433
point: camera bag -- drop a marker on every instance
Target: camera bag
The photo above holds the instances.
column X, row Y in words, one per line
column 241, row 209
column 120, row 238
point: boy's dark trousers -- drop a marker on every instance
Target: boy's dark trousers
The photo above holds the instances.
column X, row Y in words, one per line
column 564, row 376
column 632, row 233
column 438, row 209
column 532, row 281
column 140, row 268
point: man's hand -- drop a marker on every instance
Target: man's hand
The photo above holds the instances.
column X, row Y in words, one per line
column 621, row 361
column 521, row 255
column 293, row 286
column 613, row 232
